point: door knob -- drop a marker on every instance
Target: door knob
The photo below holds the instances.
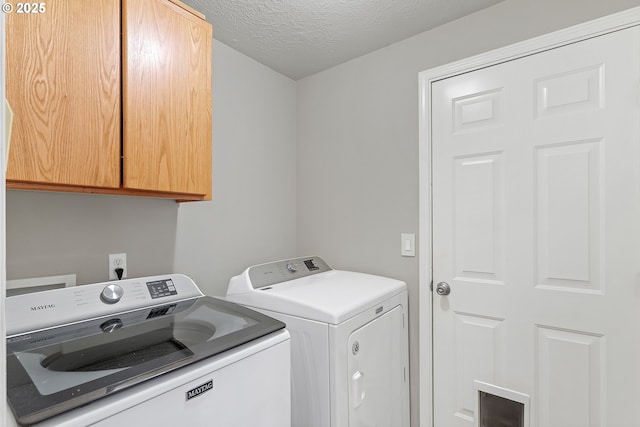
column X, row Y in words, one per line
column 443, row 288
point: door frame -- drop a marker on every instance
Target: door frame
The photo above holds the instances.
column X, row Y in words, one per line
column 607, row 24
column 3, row 154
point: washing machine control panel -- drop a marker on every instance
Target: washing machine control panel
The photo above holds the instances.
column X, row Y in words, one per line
column 262, row 276
column 54, row 307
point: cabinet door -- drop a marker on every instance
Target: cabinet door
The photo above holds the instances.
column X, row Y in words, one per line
column 63, row 84
column 167, row 98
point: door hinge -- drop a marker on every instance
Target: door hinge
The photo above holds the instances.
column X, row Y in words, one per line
column 431, row 286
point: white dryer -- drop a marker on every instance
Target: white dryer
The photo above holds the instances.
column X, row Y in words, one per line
column 349, row 340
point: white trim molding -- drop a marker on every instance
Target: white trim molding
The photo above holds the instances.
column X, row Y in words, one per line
column 3, row 154
column 608, row 24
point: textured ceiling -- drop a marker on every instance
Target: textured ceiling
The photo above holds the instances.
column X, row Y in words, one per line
column 301, row 37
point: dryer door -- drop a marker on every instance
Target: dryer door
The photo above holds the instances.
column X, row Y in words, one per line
column 378, row 374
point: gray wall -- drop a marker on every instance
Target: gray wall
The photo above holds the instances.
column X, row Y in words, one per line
column 250, row 219
column 358, row 140
column 59, row 233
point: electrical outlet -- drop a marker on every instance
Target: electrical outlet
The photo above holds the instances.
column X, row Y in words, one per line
column 117, row 261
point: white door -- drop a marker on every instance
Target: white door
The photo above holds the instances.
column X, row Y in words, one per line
column 377, row 372
column 536, row 220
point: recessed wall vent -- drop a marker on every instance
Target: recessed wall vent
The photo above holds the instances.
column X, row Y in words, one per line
column 36, row 284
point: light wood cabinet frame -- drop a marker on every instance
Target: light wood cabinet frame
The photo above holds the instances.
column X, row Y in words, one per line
column 95, row 112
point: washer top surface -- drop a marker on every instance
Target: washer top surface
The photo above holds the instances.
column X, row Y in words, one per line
column 150, row 326
column 324, row 295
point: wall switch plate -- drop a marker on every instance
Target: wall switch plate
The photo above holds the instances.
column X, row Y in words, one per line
column 117, row 261
column 408, row 244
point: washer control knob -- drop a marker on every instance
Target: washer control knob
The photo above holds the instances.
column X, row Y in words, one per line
column 291, row 267
column 111, row 325
column 111, row 294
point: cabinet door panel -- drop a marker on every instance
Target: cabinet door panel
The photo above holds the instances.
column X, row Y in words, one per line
column 167, row 98
column 65, row 93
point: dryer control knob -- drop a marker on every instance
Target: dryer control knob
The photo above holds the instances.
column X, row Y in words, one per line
column 111, row 294
column 291, row 267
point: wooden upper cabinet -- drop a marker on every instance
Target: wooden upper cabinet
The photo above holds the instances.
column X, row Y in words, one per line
column 167, row 98
column 63, row 85
column 111, row 96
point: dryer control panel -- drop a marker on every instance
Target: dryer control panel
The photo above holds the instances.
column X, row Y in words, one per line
column 261, row 276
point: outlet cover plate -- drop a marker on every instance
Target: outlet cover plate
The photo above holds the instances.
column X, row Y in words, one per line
column 115, row 261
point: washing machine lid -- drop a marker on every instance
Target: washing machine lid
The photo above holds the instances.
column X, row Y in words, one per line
column 57, row 369
column 328, row 296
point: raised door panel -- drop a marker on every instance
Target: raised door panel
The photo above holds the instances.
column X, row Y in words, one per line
column 167, row 98
column 63, row 84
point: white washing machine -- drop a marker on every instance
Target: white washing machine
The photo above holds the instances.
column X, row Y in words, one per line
column 146, row 351
column 349, row 340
